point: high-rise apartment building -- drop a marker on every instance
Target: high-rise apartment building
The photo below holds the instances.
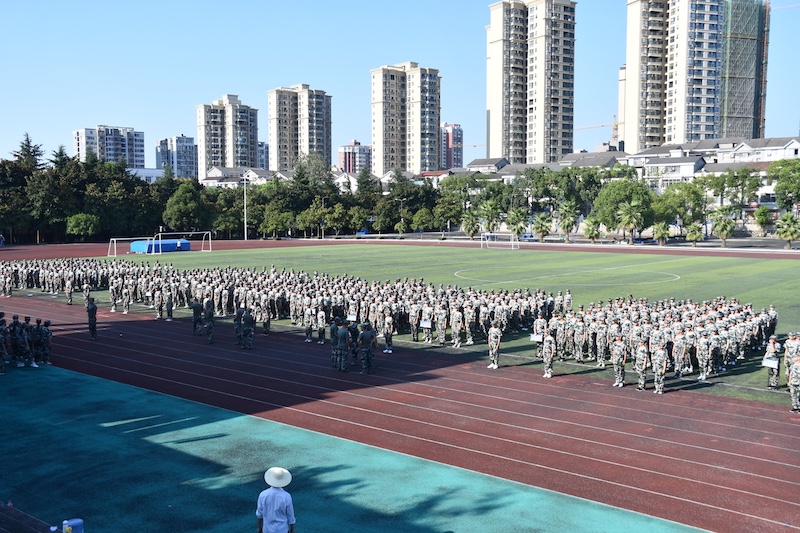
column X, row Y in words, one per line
column 353, row 157
column 406, row 106
column 530, row 80
column 299, row 123
column 263, row 155
column 110, row 143
column 452, row 146
column 227, row 135
column 695, row 69
column 180, row 153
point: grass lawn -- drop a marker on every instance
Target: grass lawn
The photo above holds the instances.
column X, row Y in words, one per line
column 590, row 276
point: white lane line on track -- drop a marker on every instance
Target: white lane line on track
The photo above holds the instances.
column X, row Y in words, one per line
column 439, row 411
column 489, row 455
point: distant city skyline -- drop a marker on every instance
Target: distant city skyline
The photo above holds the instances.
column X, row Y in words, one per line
column 48, row 94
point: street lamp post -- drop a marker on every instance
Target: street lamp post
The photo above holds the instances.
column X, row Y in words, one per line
column 322, row 222
column 245, row 208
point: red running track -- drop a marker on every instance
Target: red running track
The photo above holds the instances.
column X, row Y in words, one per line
column 711, row 462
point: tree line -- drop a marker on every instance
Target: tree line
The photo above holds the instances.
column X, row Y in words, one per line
column 61, row 199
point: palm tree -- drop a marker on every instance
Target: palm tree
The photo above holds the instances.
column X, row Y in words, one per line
column 469, row 224
column 517, row 222
column 788, row 229
column 694, row 233
column 541, row 225
column 490, row 212
column 661, row 233
column 724, row 224
column 568, row 217
column 630, row 218
column 591, row 229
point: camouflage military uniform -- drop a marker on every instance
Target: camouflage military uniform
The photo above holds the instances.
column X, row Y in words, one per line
column 619, row 352
column 659, row 359
column 547, row 352
column 640, row 364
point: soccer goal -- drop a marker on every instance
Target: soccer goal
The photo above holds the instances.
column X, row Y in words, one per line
column 499, row 241
column 114, row 241
column 171, row 236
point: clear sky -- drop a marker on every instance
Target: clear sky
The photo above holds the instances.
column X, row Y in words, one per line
column 147, row 64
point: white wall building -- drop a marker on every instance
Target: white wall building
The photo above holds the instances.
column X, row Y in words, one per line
column 110, row 143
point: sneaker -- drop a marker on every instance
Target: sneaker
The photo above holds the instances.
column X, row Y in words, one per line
column 169, row 320
column 545, row 375
column 34, row 365
column 386, row 351
column 390, row 351
column 660, row 392
column 20, row 365
column 621, row 385
column 615, row 384
column 490, row 365
column 639, row 389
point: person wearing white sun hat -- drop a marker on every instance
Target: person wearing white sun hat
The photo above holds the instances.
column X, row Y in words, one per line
column 275, row 511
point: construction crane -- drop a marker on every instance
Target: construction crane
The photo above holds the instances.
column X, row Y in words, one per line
column 613, row 125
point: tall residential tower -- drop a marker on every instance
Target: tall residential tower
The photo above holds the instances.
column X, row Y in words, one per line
column 180, row 153
column 227, row 135
column 110, row 143
column 299, row 123
column 530, row 65
column 406, row 106
column 695, row 69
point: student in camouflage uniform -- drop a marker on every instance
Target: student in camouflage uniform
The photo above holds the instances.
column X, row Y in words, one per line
column 441, row 324
column 91, row 312
column 704, row 360
column 793, row 380
column 640, row 364
column 771, row 353
column 388, row 331
column 456, row 325
column 427, row 317
column 659, row 360
column 601, row 342
column 321, row 324
column 414, row 311
column 548, row 351
column 580, row 336
column 619, row 355
column 367, row 342
column 494, row 335
column 47, row 339
column 469, row 323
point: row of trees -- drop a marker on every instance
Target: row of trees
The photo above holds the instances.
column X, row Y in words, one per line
column 62, row 198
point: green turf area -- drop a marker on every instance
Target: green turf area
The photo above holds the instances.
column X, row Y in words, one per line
column 590, row 276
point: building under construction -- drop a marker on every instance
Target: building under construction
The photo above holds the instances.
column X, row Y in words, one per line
column 695, row 70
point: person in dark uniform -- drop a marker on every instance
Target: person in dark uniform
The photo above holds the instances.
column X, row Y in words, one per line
column 208, row 321
column 248, row 329
column 91, row 312
column 197, row 317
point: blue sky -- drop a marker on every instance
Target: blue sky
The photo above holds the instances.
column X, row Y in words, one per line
column 147, row 64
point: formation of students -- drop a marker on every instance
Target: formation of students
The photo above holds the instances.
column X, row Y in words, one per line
column 23, row 343
column 680, row 336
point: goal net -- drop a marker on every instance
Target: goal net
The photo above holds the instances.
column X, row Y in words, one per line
column 203, row 236
column 499, row 241
column 113, row 248
column 155, row 245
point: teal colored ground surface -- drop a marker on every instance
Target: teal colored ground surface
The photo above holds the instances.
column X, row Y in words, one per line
column 126, row 459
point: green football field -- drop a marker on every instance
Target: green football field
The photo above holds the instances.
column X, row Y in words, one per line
column 590, row 276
